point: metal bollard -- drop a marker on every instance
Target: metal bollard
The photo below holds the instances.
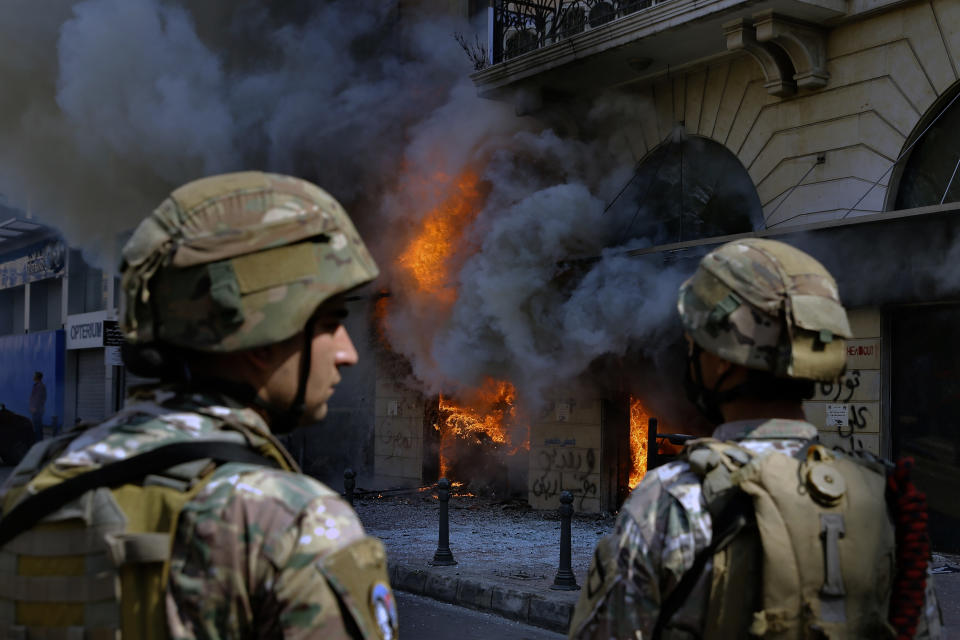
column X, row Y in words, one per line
column 652, row 445
column 443, row 556
column 349, row 483
column 565, row 580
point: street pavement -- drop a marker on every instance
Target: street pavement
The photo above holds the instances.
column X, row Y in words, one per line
column 422, row 617
column 508, row 558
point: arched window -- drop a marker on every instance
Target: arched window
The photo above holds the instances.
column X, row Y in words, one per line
column 687, row 188
column 930, row 173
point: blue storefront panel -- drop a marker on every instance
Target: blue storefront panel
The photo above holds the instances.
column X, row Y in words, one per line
column 20, row 357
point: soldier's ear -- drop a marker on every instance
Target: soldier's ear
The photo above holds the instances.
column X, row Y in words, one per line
column 715, row 368
column 261, row 359
column 266, row 359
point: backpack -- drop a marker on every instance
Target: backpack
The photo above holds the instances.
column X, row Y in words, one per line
column 84, row 552
column 803, row 546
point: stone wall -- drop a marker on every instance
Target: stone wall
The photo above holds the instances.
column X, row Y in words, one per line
column 566, row 454
column 886, row 73
column 398, row 435
column 848, row 413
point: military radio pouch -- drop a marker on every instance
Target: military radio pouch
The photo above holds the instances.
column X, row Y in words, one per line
column 84, row 552
column 815, row 527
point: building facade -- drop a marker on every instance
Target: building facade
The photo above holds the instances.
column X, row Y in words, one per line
column 840, row 118
column 57, row 316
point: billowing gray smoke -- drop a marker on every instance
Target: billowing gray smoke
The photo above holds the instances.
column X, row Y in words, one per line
column 524, row 311
column 108, row 104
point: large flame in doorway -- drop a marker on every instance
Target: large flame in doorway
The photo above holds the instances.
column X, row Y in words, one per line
column 489, row 417
column 639, row 427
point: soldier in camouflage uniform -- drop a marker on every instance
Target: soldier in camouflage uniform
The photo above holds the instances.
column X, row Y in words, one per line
column 763, row 321
column 233, row 294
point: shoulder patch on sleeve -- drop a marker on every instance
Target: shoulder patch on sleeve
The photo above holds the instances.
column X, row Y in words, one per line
column 358, row 575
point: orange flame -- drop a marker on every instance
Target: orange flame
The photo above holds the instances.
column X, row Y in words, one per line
column 429, row 261
column 495, row 395
column 489, row 413
column 639, row 419
column 427, row 258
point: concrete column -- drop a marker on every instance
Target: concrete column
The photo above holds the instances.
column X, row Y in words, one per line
column 108, row 277
column 70, row 389
column 65, row 291
column 110, row 399
column 26, row 308
column 109, row 381
column 491, row 35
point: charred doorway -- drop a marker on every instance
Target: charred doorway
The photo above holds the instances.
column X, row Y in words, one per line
column 925, row 409
column 480, row 442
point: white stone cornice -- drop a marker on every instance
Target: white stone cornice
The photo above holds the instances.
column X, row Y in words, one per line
column 777, row 70
column 804, row 43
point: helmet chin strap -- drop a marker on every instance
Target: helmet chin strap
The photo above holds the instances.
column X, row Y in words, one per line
column 280, row 420
column 296, row 409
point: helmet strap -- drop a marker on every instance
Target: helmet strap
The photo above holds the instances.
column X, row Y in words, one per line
column 286, row 420
column 280, row 420
column 296, row 409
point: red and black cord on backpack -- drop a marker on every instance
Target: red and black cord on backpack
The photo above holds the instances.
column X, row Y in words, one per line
column 909, row 508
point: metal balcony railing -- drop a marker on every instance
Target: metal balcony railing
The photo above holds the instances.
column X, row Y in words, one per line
column 525, row 25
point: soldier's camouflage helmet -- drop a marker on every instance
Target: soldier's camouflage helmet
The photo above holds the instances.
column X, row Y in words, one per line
column 236, row 261
column 766, row 305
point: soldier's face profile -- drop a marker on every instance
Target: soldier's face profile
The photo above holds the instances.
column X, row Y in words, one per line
column 330, row 349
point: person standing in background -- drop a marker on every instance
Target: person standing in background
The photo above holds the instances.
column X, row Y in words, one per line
column 38, row 399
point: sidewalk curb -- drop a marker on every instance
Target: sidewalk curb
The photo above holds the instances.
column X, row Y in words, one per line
column 516, row 604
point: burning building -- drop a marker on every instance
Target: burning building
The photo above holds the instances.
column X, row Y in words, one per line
column 533, row 238
column 824, row 125
column 828, row 125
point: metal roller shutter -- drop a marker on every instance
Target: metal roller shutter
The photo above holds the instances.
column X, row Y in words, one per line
column 91, row 391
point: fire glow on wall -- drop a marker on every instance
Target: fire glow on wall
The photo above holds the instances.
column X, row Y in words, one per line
column 639, row 433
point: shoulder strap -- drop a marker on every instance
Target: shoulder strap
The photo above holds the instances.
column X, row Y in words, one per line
column 33, row 509
column 735, row 515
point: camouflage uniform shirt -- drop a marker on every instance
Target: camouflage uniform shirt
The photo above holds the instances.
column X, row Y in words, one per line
column 245, row 554
column 662, row 528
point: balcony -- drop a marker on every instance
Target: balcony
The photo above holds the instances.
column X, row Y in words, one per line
column 572, row 46
column 520, row 27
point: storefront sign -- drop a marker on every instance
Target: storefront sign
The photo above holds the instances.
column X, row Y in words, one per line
column 112, row 335
column 31, row 263
column 863, row 354
column 85, row 331
column 112, row 357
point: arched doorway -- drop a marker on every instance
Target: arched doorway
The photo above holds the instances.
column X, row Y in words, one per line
column 687, row 188
column 929, row 173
